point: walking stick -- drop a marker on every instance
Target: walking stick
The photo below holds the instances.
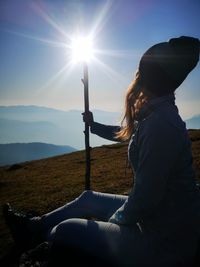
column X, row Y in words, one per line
column 82, row 51
column 86, row 131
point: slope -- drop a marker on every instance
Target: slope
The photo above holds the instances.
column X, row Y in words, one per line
column 43, row 185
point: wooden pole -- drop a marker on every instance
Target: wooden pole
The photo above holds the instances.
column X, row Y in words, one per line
column 86, row 132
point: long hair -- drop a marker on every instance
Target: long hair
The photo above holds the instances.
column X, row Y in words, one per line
column 134, row 100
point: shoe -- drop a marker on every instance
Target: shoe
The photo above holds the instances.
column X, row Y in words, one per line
column 18, row 225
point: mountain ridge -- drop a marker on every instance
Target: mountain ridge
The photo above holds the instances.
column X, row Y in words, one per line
column 66, row 127
column 193, row 122
column 31, row 123
column 14, row 153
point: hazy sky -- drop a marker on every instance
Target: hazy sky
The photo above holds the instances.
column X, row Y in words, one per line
column 34, row 58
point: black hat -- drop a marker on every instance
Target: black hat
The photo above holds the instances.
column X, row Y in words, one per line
column 164, row 66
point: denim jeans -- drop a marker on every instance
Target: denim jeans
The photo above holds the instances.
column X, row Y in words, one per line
column 83, row 224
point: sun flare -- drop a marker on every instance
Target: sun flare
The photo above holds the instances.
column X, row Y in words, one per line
column 82, row 49
column 77, row 47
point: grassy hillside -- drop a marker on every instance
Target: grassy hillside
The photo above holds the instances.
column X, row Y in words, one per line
column 43, row 185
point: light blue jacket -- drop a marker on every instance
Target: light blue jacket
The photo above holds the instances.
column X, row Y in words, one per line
column 165, row 198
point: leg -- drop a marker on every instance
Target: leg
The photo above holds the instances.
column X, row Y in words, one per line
column 88, row 204
column 102, row 240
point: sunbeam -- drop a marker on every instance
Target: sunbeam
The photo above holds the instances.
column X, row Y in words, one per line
column 45, row 41
column 75, row 47
column 67, row 69
column 51, row 21
column 101, row 18
column 110, row 72
column 129, row 54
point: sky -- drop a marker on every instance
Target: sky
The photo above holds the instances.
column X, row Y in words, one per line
column 35, row 58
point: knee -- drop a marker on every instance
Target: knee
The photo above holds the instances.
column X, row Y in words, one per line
column 66, row 231
column 87, row 194
column 65, row 227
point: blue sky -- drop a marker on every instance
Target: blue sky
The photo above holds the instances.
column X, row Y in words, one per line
column 35, row 69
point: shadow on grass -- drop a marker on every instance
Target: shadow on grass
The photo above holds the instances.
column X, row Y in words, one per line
column 11, row 259
column 61, row 257
column 66, row 256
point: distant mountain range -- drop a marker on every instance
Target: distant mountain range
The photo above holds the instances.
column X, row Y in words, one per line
column 20, row 152
column 33, row 132
column 26, row 124
column 193, row 123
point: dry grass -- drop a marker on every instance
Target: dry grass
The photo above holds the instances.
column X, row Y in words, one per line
column 43, row 185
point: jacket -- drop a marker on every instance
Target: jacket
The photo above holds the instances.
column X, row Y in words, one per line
column 165, row 193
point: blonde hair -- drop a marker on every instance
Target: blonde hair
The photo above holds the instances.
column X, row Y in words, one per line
column 134, row 100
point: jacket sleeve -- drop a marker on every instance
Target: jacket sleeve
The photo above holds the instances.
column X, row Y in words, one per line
column 105, row 131
column 159, row 147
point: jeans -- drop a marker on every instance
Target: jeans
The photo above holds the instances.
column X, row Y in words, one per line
column 68, row 226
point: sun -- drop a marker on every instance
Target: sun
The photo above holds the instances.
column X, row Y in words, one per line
column 82, row 49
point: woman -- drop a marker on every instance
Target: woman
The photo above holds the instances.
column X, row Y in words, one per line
column 158, row 223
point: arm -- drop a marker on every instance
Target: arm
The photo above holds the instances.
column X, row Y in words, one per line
column 159, row 146
column 104, row 131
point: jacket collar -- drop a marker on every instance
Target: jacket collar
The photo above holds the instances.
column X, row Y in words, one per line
column 153, row 104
